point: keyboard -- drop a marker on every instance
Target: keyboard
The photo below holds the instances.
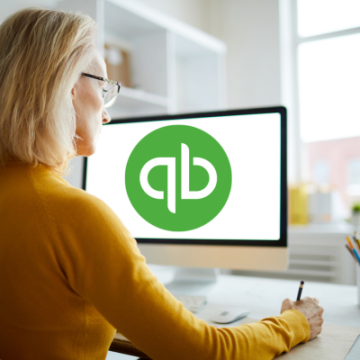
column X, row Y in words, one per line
column 192, row 303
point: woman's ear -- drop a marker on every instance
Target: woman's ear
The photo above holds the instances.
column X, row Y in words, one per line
column 72, row 93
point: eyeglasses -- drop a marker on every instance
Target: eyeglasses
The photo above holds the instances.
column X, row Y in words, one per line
column 111, row 91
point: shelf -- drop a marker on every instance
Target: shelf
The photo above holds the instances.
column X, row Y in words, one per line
column 130, row 18
column 136, row 97
column 132, row 102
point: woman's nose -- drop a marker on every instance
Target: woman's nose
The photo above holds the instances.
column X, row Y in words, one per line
column 106, row 118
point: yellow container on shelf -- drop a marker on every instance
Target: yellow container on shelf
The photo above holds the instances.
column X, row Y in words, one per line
column 298, row 204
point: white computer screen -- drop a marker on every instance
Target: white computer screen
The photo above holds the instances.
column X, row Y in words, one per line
column 201, row 178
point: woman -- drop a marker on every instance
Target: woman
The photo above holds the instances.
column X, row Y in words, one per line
column 70, row 271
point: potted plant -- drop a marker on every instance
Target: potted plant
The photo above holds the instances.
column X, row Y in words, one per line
column 355, row 214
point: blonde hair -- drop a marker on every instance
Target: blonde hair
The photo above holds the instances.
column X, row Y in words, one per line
column 42, row 54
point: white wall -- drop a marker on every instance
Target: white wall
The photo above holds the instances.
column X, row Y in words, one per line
column 250, row 28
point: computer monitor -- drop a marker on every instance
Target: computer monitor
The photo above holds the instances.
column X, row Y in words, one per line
column 204, row 190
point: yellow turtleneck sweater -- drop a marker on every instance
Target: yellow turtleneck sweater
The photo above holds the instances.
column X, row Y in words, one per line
column 70, row 274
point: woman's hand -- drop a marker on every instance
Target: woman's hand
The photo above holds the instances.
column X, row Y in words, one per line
column 312, row 311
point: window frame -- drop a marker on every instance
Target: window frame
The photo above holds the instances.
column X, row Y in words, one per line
column 290, row 43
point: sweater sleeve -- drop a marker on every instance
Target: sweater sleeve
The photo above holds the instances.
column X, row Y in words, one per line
column 103, row 265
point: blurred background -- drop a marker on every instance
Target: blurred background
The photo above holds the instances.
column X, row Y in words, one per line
column 176, row 56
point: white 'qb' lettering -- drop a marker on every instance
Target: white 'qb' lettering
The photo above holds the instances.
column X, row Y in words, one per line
column 170, row 162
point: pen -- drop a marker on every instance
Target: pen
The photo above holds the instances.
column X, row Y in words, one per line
column 350, row 243
column 356, row 241
column 356, row 238
column 352, row 254
column 356, row 255
column 354, row 251
column 300, row 290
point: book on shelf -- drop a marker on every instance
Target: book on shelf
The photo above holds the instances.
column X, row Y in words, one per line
column 118, row 64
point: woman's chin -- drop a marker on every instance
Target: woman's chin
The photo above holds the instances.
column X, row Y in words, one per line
column 86, row 151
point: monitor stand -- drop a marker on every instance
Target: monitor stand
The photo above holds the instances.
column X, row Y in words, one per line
column 193, row 281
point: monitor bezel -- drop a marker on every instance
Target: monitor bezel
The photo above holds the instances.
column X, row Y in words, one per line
column 282, row 242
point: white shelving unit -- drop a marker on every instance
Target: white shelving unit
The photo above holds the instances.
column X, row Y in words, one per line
column 175, row 68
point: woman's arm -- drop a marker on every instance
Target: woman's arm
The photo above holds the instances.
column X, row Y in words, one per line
column 103, row 265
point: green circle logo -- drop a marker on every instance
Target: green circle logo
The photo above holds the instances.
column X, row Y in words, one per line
column 178, row 178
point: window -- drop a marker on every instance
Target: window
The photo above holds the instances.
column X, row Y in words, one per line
column 326, row 66
column 329, row 88
column 325, row 16
column 321, row 173
column 354, row 177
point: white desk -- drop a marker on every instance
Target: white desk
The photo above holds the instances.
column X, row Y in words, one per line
column 263, row 297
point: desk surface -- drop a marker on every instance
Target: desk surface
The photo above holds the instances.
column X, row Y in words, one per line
column 263, row 297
